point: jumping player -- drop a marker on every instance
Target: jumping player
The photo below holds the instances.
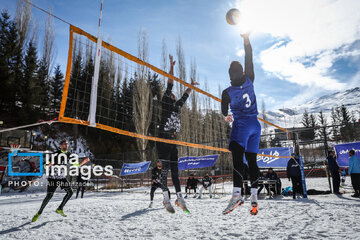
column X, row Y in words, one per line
column 169, row 128
column 246, row 129
column 57, row 179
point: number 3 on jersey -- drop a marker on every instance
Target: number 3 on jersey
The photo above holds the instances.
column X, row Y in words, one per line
column 248, row 101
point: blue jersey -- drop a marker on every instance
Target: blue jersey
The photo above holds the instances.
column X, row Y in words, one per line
column 243, row 100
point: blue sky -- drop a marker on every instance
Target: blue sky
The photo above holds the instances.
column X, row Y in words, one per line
column 302, row 49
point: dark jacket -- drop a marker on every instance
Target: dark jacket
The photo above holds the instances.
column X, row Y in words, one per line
column 293, row 168
column 272, row 176
column 170, row 116
column 333, row 164
column 58, row 161
column 207, row 181
column 155, row 174
column 192, row 182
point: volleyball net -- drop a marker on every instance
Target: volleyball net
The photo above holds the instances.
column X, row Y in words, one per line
column 124, row 96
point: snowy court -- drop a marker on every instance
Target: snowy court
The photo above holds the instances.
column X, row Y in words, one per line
column 116, row 215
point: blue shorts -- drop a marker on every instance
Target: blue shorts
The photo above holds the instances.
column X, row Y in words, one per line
column 246, row 132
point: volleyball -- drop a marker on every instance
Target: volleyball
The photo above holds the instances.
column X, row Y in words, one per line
column 233, row 16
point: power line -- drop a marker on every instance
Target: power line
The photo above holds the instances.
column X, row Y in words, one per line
column 47, row 12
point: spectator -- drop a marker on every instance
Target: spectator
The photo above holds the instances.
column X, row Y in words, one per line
column 81, row 183
column 293, row 171
column 271, row 175
column 354, row 171
column 206, row 184
column 191, row 184
column 335, row 171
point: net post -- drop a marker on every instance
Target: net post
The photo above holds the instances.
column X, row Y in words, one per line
column 95, row 79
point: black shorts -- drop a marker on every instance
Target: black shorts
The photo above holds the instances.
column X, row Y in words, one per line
column 53, row 184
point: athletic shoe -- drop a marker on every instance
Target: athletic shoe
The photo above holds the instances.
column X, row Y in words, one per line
column 356, row 195
column 37, row 215
column 180, row 202
column 151, row 204
column 199, row 197
column 61, row 212
column 168, row 207
column 254, row 208
column 233, row 203
column 195, row 196
column 185, row 196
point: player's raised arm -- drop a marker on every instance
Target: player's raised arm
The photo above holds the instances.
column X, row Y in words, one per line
column 184, row 97
column 170, row 81
column 249, row 66
column 172, row 64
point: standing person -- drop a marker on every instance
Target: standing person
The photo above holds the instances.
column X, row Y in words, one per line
column 246, row 129
column 156, row 181
column 191, row 183
column 169, row 128
column 81, row 183
column 293, row 171
column 57, row 178
column 334, row 170
column 206, row 184
column 354, row 171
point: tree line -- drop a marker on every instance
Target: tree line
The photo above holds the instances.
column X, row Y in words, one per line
column 342, row 125
column 31, row 87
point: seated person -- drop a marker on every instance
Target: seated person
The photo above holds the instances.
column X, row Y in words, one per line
column 206, row 184
column 191, row 184
column 271, row 175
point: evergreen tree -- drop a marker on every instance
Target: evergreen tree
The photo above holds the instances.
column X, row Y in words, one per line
column 30, row 93
column 44, row 83
column 10, row 62
column 309, row 122
column 335, row 121
column 347, row 131
column 57, row 83
column 323, row 132
column 345, row 116
column 306, row 119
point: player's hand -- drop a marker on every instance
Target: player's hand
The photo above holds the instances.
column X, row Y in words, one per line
column 245, row 35
column 172, row 62
column 229, row 118
column 193, row 82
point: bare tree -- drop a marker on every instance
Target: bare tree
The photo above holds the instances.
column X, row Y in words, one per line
column 181, row 70
column 48, row 45
column 142, row 97
column 23, row 19
column 164, row 60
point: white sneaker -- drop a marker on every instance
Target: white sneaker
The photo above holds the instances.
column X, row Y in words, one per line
column 180, row 202
column 168, row 206
column 233, row 203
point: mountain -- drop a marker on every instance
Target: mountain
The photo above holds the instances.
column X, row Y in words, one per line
column 291, row 117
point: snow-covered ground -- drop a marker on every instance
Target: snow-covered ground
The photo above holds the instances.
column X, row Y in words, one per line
column 124, row 215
